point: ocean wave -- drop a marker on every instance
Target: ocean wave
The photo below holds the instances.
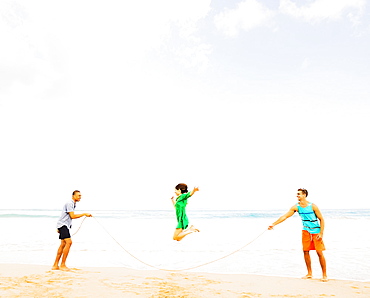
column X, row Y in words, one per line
column 194, row 214
column 11, row 215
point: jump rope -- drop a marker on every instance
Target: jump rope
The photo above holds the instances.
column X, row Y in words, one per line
column 164, row 269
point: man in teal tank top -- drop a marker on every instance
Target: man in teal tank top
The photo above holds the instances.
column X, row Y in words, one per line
column 312, row 231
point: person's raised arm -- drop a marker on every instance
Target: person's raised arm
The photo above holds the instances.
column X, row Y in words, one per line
column 74, row 216
column 173, row 201
column 284, row 217
column 322, row 222
column 195, row 189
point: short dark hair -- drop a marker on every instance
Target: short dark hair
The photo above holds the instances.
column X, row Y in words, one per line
column 183, row 187
column 303, row 190
column 75, row 192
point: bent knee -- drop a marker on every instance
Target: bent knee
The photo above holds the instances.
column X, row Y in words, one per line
column 68, row 241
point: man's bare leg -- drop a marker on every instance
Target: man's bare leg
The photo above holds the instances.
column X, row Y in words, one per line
column 307, row 260
column 180, row 233
column 68, row 243
column 59, row 255
column 323, row 265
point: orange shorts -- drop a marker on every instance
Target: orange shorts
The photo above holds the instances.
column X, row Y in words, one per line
column 310, row 242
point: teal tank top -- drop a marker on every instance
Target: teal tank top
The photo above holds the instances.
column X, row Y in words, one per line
column 309, row 219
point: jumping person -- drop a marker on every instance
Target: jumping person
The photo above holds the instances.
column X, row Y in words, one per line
column 64, row 224
column 182, row 196
column 312, row 233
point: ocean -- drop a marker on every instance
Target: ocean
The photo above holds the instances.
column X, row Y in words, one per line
column 135, row 238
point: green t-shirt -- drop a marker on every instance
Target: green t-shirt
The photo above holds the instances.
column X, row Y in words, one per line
column 180, row 205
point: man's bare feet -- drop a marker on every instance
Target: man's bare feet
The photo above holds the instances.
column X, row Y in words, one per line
column 55, row 268
column 192, row 228
column 64, row 268
column 308, row 276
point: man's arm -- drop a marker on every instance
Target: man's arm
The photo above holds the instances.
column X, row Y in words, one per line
column 284, row 217
column 183, row 198
column 321, row 218
column 74, row 216
column 194, row 190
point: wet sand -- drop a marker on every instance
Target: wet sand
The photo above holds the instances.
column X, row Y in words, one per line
column 18, row 280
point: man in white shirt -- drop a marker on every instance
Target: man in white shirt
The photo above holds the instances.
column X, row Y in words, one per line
column 64, row 224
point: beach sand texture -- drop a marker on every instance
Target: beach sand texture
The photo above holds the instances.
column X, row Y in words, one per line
column 19, row 280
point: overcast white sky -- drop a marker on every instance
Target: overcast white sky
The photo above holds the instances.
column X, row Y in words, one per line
column 249, row 100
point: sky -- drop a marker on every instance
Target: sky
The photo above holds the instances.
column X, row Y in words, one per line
column 248, row 100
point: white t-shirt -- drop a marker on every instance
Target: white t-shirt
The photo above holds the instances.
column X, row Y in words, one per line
column 65, row 219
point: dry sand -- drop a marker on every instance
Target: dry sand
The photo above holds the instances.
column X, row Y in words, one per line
column 18, row 280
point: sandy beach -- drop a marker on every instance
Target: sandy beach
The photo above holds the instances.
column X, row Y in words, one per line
column 18, row 280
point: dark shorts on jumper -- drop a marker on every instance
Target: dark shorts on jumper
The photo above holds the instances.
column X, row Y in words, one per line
column 64, row 233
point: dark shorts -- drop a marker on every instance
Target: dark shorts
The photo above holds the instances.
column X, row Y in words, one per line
column 64, row 233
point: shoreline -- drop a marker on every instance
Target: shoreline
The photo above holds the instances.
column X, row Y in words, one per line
column 190, row 271
column 24, row 280
column 316, row 276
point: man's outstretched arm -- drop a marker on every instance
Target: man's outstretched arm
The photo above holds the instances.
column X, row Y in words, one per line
column 74, row 216
column 284, row 217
